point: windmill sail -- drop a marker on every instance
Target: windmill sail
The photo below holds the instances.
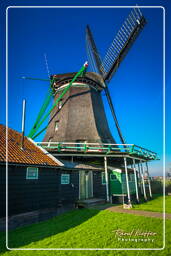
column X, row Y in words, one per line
column 124, row 39
column 92, row 53
column 96, row 65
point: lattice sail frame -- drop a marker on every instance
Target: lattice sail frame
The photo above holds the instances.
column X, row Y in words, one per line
column 124, row 39
column 119, row 47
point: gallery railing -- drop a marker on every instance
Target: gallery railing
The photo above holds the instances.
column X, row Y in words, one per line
column 106, row 148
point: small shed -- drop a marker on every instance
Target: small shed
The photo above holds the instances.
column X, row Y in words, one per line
column 117, row 178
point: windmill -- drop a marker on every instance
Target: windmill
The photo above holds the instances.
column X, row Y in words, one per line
column 78, row 125
column 80, row 115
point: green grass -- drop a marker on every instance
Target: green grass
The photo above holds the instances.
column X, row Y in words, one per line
column 155, row 205
column 86, row 228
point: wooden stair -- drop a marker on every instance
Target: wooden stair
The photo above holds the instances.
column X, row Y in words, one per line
column 86, row 203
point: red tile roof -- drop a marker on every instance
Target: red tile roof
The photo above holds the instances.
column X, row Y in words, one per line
column 30, row 154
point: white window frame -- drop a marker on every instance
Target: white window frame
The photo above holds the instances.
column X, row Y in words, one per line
column 32, row 178
column 65, row 175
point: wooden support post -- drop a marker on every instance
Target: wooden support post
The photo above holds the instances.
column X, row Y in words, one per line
column 127, row 181
column 149, row 183
column 107, row 179
column 135, row 177
column 142, row 175
column 140, row 179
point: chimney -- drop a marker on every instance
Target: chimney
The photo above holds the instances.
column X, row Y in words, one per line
column 23, row 124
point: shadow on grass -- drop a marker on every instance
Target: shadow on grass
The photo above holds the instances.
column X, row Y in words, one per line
column 104, row 206
column 144, row 202
column 35, row 232
column 154, row 196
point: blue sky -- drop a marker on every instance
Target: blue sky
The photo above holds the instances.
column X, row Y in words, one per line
column 136, row 88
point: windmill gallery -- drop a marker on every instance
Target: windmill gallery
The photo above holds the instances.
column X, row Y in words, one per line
column 78, row 163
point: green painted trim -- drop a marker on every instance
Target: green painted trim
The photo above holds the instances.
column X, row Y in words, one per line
column 42, row 110
column 35, row 136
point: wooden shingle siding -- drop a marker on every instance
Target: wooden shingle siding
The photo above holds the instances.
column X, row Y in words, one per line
column 78, row 103
column 99, row 190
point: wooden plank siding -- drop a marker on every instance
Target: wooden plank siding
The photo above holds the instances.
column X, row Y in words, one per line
column 2, row 190
column 69, row 193
column 99, row 190
column 26, row 195
column 46, row 192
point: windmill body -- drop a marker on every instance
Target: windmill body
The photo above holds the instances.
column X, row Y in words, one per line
column 80, row 115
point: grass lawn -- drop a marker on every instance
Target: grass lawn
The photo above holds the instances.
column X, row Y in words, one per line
column 88, row 228
column 155, row 205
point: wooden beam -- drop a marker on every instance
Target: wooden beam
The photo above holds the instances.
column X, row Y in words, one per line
column 127, row 181
column 107, row 179
column 149, row 183
column 135, row 177
column 140, row 179
column 143, row 183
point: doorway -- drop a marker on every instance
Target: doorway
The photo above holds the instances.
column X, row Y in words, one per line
column 86, row 184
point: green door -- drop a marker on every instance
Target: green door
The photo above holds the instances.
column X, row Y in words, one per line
column 115, row 183
column 86, row 184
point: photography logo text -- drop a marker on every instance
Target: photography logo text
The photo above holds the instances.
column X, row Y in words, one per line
column 134, row 235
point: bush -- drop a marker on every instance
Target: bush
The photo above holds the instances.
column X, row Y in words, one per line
column 168, row 186
column 157, row 186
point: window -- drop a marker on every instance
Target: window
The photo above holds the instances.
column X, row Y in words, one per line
column 65, row 178
column 32, row 173
column 113, row 176
column 56, row 126
column 103, row 178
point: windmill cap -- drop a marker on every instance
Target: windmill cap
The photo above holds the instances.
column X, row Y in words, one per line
column 92, row 78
